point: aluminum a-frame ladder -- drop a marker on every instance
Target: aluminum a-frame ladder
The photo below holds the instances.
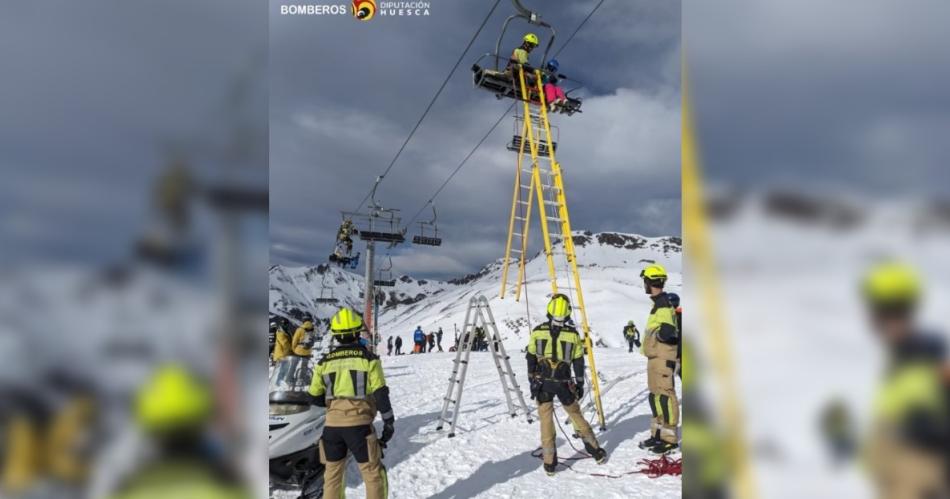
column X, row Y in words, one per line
column 539, row 180
column 479, row 315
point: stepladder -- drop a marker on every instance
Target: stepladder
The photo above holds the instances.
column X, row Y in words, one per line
column 480, row 331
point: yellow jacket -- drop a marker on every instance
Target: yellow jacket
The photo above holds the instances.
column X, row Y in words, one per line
column 282, row 347
column 303, row 339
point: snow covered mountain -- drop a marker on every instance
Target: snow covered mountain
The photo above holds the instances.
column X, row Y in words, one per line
column 609, row 265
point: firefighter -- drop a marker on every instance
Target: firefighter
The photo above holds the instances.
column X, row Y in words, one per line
column 907, row 450
column 555, row 350
column 304, row 339
column 349, row 382
column 174, row 411
column 660, row 345
column 519, row 56
column 632, row 335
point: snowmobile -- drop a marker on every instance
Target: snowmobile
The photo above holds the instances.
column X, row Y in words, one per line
column 295, row 428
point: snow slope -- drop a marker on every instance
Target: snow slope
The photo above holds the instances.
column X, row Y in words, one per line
column 490, row 456
column 609, row 267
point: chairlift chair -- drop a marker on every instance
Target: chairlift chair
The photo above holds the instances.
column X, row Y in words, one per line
column 499, row 81
column 516, row 139
column 326, row 294
column 433, row 238
column 384, row 277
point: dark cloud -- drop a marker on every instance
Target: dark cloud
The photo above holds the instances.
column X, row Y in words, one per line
column 344, row 95
column 94, row 95
column 822, row 94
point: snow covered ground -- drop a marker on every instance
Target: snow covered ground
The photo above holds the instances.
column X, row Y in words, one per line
column 490, row 456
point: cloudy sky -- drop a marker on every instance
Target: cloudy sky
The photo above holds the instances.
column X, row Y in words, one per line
column 93, row 95
column 344, row 95
column 847, row 95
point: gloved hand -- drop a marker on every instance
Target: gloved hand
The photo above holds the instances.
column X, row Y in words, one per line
column 579, row 391
column 388, row 431
column 535, row 386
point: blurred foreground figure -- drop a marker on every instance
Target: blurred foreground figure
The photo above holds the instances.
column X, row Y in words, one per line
column 909, row 445
column 174, row 410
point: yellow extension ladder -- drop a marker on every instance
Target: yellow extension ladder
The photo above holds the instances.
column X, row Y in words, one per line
column 540, row 181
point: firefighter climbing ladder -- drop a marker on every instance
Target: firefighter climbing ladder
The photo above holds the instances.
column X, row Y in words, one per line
column 479, row 315
column 541, row 178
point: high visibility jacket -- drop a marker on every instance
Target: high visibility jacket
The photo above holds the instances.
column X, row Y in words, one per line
column 553, row 350
column 520, row 56
column 662, row 334
column 168, row 478
column 303, row 339
column 630, row 331
column 282, row 347
column 910, row 431
column 349, row 381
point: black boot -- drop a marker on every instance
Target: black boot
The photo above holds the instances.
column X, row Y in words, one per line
column 650, row 442
column 551, row 468
column 599, row 454
column 664, row 448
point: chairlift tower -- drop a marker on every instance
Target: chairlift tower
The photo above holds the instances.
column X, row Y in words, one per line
column 381, row 225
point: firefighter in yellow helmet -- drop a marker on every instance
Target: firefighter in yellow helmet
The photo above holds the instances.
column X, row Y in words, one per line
column 909, row 445
column 660, row 345
column 174, row 409
column 519, row 56
column 556, row 369
column 303, row 340
column 349, row 382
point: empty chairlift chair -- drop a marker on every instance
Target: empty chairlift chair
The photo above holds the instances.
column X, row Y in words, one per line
column 430, row 227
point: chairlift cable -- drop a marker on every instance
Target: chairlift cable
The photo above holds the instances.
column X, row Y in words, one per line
column 432, row 102
column 460, row 165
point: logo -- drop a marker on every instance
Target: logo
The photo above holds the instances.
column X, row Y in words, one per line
column 364, row 10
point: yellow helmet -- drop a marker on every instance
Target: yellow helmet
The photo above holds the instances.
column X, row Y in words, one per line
column 654, row 272
column 531, row 38
column 172, row 399
column 892, row 284
column 346, row 321
column 559, row 308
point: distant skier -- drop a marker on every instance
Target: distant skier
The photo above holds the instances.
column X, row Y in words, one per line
column 438, row 338
column 632, row 336
column 419, row 339
column 389, row 346
column 555, row 349
column 398, row 345
column 431, row 340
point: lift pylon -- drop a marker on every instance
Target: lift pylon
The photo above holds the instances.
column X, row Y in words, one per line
column 539, row 184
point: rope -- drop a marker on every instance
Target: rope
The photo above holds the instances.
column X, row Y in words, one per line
column 432, row 102
column 652, row 468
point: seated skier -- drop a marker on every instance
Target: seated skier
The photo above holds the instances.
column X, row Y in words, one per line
column 553, row 94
